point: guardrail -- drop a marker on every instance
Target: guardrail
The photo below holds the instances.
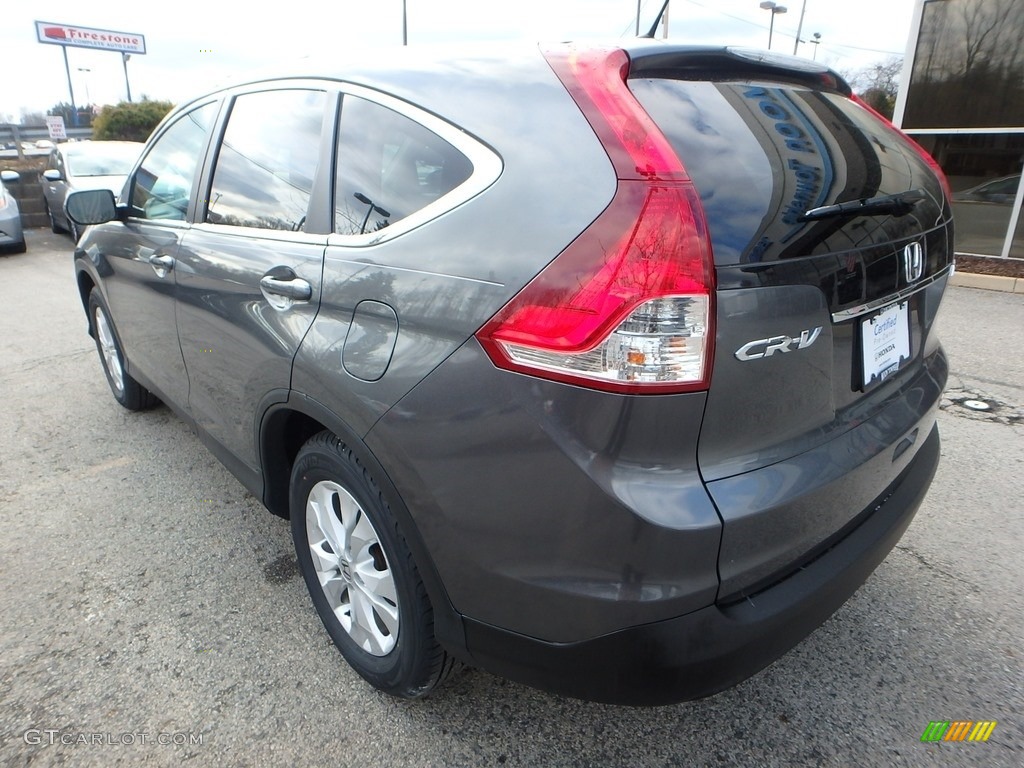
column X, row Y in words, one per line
column 16, row 134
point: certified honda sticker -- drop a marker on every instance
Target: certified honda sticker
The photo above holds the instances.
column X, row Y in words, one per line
column 885, row 342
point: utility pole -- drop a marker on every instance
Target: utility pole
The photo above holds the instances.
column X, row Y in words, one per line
column 799, row 27
column 405, row 25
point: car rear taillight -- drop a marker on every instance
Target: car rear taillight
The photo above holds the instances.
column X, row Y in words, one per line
column 925, row 155
column 628, row 306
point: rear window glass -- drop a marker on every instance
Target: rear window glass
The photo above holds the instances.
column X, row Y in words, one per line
column 389, row 166
column 761, row 154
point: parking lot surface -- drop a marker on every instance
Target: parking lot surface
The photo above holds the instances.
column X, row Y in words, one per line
column 152, row 609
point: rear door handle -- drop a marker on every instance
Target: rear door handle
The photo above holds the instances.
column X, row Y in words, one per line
column 282, row 288
column 161, row 264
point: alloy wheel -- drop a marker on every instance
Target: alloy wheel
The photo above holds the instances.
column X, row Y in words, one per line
column 352, row 568
column 108, row 349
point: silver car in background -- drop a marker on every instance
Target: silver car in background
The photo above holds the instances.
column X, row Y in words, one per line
column 84, row 165
column 12, row 238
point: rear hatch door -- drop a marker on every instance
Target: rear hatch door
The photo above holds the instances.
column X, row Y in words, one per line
column 824, row 313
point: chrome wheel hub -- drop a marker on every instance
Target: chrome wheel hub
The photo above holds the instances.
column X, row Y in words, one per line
column 351, row 567
column 108, row 349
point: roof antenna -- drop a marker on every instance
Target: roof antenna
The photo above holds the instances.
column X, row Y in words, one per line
column 657, row 21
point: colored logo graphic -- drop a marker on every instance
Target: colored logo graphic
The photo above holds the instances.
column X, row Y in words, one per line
column 55, row 32
column 958, row 730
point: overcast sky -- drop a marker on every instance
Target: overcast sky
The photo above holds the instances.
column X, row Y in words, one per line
column 194, row 46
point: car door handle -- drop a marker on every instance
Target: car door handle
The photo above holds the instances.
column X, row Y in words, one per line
column 161, row 264
column 284, row 290
column 295, row 288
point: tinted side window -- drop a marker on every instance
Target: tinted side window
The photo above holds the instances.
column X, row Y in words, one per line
column 163, row 182
column 389, row 166
column 267, row 161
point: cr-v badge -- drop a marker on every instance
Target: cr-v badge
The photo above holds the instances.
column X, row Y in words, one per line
column 913, row 261
column 754, row 350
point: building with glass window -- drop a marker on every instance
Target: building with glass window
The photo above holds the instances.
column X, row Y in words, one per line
column 962, row 97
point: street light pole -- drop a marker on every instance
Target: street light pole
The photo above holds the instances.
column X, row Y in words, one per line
column 768, row 5
column 405, row 25
column 815, row 42
column 88, row 98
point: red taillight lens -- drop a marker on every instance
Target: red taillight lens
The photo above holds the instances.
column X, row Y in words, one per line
column 943, row 181
column 596, row 79
column 628, row 306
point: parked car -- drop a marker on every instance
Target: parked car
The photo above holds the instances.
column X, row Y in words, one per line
column 84, row 165
column 1001, row 191
column 609, row 370
column 982, row 214
column 12, row 238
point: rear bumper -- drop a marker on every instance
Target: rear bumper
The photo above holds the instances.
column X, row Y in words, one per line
column 708, row 650
column 10, row 231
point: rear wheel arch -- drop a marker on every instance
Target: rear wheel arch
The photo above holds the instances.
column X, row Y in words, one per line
column 85, row 287
column 284, row 429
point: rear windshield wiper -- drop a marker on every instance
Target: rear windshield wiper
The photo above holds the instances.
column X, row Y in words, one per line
column 899, row 204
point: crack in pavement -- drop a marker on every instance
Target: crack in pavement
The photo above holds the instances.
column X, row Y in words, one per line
column 40, row 361
column 935, row 568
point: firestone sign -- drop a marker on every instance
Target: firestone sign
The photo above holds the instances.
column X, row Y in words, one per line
column 86, row 37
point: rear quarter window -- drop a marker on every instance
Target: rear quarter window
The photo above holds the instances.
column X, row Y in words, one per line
column 388, row 167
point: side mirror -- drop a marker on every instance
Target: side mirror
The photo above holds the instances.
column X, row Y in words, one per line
column 91, row 206
column 9, row 176
column 52, row 175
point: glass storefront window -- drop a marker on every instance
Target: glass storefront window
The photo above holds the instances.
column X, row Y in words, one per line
column 967, row 66
column 1017, row 244
column 984, row 171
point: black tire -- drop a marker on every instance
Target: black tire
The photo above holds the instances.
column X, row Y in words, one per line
column 126, row 390
column 416, row 664
column 54, row 227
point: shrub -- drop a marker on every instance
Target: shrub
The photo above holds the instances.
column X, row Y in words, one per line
column 129, row 121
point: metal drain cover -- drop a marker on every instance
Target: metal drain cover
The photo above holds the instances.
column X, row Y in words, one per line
column 976, row 405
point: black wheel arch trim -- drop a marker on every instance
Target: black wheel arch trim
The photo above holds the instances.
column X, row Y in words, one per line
column 275, row 463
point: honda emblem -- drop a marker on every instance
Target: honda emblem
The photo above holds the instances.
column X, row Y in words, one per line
column 913, row 261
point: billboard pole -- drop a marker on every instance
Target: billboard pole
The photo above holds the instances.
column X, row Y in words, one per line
column 127, row 86
column 71, row 90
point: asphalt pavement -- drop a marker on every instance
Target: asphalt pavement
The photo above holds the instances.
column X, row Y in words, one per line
column 152, row 611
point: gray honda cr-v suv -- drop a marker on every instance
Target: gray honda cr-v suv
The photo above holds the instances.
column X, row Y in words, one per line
column 610, row 370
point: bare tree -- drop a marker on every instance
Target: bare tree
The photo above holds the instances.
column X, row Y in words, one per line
column 968, row 67
column 877, row 84
column 985, row 23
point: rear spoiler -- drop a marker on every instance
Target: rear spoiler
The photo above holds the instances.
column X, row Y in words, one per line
column 731, row 63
